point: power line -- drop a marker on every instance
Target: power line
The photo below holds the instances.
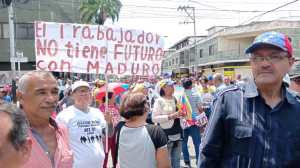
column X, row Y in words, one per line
column 146, row 14
column 158, row 15
column 68, row 2
column 272, row 10
column 202, row 4
column 224, row 2
column 221, row 10
column 160, row 12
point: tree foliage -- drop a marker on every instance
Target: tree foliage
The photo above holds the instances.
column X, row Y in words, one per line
column 97, row 11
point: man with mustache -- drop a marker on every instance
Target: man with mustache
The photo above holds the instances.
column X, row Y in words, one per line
column 257, row 125
column 38, row 97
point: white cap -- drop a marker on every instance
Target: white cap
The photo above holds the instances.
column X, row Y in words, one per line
column 78, row 84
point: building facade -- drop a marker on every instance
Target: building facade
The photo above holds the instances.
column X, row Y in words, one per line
column 222, row 50
column 26, row 12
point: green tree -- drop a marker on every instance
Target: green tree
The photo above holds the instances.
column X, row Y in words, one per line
column 97, row 11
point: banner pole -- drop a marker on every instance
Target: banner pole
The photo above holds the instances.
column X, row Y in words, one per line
column 106, row 103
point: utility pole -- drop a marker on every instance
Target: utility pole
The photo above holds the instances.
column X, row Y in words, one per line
column 12, row 49
column 190, row 11
column 11, row 39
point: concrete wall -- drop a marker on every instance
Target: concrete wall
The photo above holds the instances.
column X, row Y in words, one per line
column 230, row 44
column 239, row 44
column 45, row 10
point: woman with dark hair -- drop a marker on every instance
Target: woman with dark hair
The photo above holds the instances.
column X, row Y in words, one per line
column 114, row 112
column 138, row 144
column 167, row 115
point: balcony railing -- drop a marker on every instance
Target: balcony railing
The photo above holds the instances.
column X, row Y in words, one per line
column 230, row 55
column 222, row 56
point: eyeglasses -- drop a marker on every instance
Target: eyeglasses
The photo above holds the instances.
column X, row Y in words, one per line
column 273, row 58
column 296, row 80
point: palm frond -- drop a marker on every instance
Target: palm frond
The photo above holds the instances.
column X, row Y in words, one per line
column 97, row 10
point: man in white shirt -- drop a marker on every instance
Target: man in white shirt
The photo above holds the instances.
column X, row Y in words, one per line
column 86, row 126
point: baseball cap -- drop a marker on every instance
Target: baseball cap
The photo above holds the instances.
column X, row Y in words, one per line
column 78, row 84
column 167, row 75
column 295, row 71
column 165, row 82
column 275, row 39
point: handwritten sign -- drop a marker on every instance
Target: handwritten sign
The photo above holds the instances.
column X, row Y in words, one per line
column 66, row 47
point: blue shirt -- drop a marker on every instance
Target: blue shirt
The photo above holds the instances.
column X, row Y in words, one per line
column 244, row 131
column 7, row 99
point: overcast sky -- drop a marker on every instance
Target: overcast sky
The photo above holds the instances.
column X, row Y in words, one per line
column 162, row 16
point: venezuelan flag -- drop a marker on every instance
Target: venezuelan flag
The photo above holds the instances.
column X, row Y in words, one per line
column 186, row 109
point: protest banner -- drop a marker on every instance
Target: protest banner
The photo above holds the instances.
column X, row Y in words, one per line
column 79, row 48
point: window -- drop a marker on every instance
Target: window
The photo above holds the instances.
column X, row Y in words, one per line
column 192, row 54
column 211, row 50
column 177, row 60
column 5, row 30
column 181, row 58
column 1, row 31
column 21, row 31
column 201, row 53
column 31, row 30
column 187, row 56
column 173, row 61
column 24, row 31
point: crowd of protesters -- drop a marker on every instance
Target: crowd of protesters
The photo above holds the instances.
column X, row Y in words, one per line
column 240, row 122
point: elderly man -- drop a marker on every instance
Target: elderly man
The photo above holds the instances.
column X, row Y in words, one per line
column 219, row 82
column 15, row 144
column 256, row 126
column 86, row 127
column 38, row 97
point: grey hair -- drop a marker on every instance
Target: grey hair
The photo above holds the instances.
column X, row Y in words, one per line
column 218, row 76
column 23, row 81
column 19, row 130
